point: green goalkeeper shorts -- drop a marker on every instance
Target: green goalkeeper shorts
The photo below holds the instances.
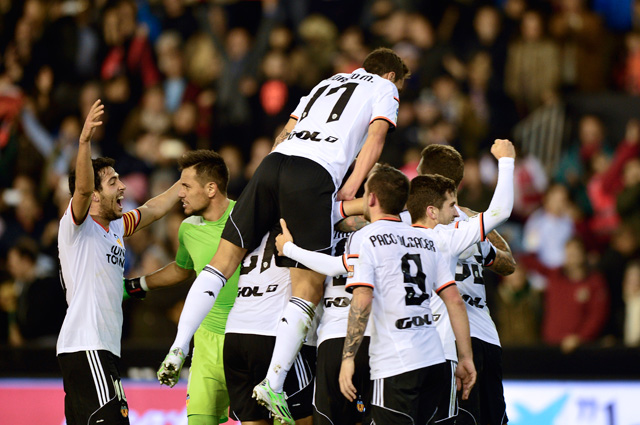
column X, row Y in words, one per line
column 207, row 390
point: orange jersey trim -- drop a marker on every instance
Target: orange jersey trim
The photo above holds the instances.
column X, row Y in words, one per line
column 294, row 117
column 342, row 213
column 389, row 219
column 106, row 229
column 482, row 235
column 396, row 99
column 445, row 286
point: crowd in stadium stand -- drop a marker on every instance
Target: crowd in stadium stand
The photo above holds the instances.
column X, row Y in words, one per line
column 178, row 74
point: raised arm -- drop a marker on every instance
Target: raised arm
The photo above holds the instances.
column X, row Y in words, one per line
column 502, row 202
column 156, row 208
column 85, row 184
column 367, row 158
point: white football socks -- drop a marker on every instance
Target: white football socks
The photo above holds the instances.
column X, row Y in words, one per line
column 290, row 335
column 200, row 299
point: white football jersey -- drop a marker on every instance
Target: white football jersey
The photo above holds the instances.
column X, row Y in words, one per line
column 263, row 291
column 452, row 241
column 470, row 281
column 336, row 300
column 334, row 119
column 404, row 268
column 92, row 267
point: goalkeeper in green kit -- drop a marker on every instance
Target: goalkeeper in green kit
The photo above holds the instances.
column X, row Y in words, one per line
column 203, row 194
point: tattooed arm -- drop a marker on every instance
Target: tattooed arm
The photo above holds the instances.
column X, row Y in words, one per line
column 358, row 318
column 351, row 224
column 504, row 264
column 284, row 134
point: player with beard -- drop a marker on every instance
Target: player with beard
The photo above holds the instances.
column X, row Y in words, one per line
column 92, row 253
column 203, row 192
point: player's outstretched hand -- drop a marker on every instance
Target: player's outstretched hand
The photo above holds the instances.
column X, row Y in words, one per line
column 347, row 370
column 92, row 121
column 503, row 148
column 465, row 377
column 283, row 237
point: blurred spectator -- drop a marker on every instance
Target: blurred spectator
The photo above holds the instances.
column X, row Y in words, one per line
column 41, row 305
column 582, row 39
column 576, row 162
column 548, row 229
column 576, row 300
column 530, row 185
column 613, row 262
column 233, row 158
column 607, row 181
column 629, row 197
column 473, row 193
column 631, row 287
column 532, row 73
column 517, row 310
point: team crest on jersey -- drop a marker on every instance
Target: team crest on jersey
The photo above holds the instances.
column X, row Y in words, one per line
column 360, row 406
column 124, row 411
column 119, row 241
column 188, row 397
column 350, row 271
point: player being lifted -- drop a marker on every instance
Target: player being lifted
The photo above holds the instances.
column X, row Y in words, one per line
column 92, row 253
column 203, row 192
column 343, row 115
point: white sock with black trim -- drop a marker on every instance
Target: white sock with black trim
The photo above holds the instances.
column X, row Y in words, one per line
column 200, row 299
column 292, row 330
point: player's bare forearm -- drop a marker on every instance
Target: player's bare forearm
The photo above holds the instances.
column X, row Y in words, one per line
column 285, row 133
column 156, row 208
column 169, row 275
column 459, row 320
column 351, row 224
column 353, row 207
column 504, row 263
column 359, row 313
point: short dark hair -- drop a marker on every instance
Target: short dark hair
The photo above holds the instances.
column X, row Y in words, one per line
column 391, row 187
column 209, row 166
column 443, row 160
column 384, row 60
column 428, row 190
column 98, row 164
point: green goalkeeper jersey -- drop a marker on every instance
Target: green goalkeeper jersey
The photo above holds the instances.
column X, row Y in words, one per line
column 199, row 240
